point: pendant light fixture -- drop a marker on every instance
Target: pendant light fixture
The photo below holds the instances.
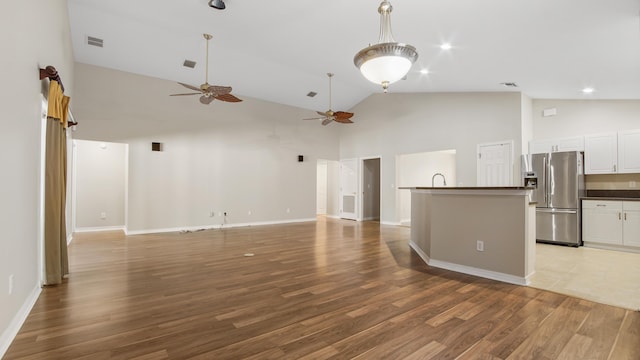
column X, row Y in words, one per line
column 388, row 61
column 217, row 4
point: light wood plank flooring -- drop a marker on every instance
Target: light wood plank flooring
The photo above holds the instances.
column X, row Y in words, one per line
column 331, row 289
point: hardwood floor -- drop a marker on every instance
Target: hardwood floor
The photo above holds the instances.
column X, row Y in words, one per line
column 328, row 290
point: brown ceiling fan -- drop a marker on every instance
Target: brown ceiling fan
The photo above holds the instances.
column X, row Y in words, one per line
column 210, row 92
column 329, row 115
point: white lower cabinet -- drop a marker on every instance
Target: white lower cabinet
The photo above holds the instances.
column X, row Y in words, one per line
column 611, row 222
column 631, row 223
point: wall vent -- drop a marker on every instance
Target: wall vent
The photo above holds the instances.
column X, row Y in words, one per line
column 156, row 146
column 94, row 41
column 312, row 93
column 509, row 84
column 189, row 63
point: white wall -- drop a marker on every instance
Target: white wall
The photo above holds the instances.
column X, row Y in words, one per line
column 584, row 117
column 392, row 124
column 234, row 158
column 33, row 34
column 333, row 189
column 100, row 184
column 418, row 170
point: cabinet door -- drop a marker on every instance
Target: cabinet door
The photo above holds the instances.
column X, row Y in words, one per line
column 631, row 223
column 575, row 143
column 629, row 151
column 601, row 154
column 602, row 221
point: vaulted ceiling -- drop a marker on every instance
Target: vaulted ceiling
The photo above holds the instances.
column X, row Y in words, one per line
column 279, row 51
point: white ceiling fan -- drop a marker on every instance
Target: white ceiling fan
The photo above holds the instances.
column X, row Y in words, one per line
column 328, row 116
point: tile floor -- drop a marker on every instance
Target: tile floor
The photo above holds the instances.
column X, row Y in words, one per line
column 604, row 276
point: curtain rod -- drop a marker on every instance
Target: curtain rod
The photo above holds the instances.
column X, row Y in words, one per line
column 51, row 73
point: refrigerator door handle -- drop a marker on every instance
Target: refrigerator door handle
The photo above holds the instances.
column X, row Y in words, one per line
column 558, row 211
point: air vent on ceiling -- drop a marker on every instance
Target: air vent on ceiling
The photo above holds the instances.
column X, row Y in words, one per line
column 509, row 84
column 189, row 63
column 94, row 41
column 312, row 94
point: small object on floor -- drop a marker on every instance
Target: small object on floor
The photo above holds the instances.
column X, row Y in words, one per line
column 248, row 254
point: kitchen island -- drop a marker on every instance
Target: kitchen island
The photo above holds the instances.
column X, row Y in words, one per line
column 482, row 231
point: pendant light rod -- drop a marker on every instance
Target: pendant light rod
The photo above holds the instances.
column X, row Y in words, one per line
column 207, row 37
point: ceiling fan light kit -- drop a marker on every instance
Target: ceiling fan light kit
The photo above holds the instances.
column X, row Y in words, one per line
column 217, row 4
column 388, row 61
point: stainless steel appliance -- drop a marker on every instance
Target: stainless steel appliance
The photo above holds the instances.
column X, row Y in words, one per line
column 560, row 185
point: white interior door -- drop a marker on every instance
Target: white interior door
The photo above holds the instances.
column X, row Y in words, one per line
column 495, row 164
column 348, row 189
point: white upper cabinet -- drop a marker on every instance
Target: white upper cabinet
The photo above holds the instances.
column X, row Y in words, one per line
column 629, row 151
column 612, row 153
column 574, row 143
column 601, row 154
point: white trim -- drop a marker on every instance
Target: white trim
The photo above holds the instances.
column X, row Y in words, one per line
column 43, row 157
column 99, row 228
column 69, row 238
column 18, row 320
column 332, row 216
column 493, row 275
column 614, row 247
column 215, row 227
column 392, row 223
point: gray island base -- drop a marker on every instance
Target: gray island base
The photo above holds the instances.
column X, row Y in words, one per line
column 483, row 231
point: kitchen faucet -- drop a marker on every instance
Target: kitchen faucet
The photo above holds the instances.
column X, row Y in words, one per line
column 444, row 181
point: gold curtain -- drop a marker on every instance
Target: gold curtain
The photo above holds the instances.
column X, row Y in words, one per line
column 55, row 233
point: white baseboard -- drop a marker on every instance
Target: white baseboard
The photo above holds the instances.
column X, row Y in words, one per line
column 16, row 323
column 100, row 228
column 612, row 247
column 488, row 274
column 214, row 227
column 392, row 223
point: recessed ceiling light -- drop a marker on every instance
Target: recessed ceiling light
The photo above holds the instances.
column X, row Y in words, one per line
column 445, row 46
column 588, row 90
column 424, row 71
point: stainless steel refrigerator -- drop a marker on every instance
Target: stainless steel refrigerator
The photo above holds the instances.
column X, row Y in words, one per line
column 560, row 185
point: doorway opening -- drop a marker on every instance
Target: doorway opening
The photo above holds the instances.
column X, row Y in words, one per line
column 371, row 189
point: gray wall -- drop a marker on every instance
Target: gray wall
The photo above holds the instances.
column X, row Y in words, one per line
column 390, row 124
column 234, row 158
column 33, row 34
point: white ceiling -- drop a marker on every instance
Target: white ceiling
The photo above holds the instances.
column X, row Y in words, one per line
column 279, row 51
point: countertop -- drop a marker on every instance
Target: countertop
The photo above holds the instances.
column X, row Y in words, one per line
column 466, row 188
column 616, row 195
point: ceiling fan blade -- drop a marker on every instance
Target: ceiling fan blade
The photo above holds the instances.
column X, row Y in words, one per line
column 318, row 118
column 325, row 114
column 206, row 99
column 343, row 115
column 344, row 121
column 185, row 94
column 326, row 121
column 228, row 98
column 191, row 87
column 218, row 90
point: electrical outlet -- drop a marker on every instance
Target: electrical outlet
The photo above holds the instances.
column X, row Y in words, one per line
column 103, row 215
column 288, row 210
column 480, row 245
column 632, row 184
column 220, row 213
column 10, row 284
column 249, row 212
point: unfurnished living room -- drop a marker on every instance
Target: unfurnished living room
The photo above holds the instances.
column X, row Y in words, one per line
column 224, row 179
